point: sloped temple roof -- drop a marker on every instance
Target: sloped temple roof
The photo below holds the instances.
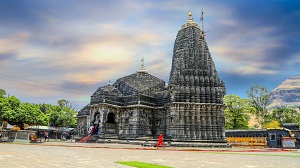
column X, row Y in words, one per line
column 141, row 81
column 107, row 89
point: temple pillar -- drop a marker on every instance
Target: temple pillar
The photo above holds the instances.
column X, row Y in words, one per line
column 203, row 122
column 208, row 122
column 214, row 126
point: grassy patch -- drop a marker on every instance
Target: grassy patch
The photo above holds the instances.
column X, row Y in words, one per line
column 142, row 164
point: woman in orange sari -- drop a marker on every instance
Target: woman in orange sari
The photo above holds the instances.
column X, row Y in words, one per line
column 160, row 141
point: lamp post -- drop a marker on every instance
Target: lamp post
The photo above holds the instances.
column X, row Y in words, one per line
column 36, row 123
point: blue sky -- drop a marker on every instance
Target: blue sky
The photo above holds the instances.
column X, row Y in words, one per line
column 51, row 49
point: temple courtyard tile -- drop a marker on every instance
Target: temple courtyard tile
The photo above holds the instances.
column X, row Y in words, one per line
column 70, row 154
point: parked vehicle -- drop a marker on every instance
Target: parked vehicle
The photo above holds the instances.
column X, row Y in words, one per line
column 33, row 137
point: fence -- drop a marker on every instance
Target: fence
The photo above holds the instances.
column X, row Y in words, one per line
column 247, row 141
column 17, row 136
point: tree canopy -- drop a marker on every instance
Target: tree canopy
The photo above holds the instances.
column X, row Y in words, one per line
column 259, row 97
column 2, row 93
column 62, row 116
column 18, row 113
column 286, row 115
column 237, row 112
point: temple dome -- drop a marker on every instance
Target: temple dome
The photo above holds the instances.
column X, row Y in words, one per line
column 107, row 90
column 141, row 81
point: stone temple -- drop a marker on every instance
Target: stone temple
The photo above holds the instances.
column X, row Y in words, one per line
column 188, row 111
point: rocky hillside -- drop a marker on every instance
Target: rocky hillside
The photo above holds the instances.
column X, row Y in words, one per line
column 287, row 93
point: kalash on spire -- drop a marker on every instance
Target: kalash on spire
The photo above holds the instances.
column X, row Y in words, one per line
column 190, row 22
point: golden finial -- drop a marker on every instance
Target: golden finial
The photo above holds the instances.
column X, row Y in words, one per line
column 190, row 16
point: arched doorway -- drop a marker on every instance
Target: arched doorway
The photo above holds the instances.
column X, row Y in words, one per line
column 111, row 118
column 111, row 125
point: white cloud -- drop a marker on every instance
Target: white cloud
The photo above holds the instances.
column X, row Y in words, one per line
column 250, row 69
column 14, row 42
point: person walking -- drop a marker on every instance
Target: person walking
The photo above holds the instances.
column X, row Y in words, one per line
column 46, row 136
column 160, row 141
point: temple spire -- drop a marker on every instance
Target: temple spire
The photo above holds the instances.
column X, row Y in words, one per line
column 142, row 69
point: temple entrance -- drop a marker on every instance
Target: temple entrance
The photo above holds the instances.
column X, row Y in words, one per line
column 110, row 125
column 96, row 122
column 111, row 118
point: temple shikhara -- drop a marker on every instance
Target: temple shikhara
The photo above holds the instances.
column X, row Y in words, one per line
column 187, row 111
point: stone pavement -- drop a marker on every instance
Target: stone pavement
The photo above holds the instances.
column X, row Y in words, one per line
column 71, row 154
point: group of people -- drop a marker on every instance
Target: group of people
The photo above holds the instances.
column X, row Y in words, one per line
column 64, row 136
column 93, row 129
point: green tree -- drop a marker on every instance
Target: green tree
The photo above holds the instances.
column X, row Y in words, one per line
column 17, row 113
column 63, row 114
column 2, row 93
column 4, row 104
column 237, row 112
column 39, row 117
column 9, row 107
column 66, row 104
column 259, row 97
column 286, row 115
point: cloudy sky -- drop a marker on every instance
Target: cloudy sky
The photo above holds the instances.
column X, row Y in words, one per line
column 53, row 49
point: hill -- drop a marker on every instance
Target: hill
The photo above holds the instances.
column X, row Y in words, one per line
column 286, row 94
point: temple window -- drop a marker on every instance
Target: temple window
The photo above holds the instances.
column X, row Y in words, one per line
column 273, row 136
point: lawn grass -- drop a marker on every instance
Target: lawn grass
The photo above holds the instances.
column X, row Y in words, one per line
column 142, row 164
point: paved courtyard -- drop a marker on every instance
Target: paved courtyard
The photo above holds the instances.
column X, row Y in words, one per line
column 66, row 154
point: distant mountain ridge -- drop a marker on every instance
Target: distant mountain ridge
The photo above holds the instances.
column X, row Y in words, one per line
column 287, row 93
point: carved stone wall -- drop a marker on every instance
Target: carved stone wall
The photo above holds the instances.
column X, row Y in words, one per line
column 195, row 121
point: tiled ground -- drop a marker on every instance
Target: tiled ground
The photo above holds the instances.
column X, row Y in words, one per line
column 66, row 154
